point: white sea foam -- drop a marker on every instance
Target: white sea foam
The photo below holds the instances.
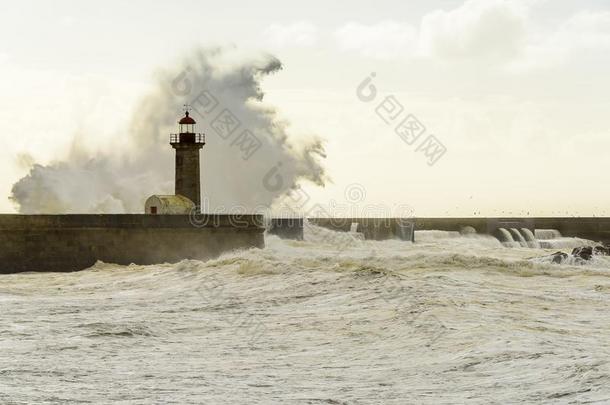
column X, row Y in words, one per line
column 565, row 243
column 331, row 319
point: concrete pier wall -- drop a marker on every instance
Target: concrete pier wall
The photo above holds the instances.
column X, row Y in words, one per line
column 487, row 226
column 286, row 228
column 596, row 229
column 372, row 228
column 74, row 242
column 451, row 224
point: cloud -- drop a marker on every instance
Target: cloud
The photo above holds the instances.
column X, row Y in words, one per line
column 477, row 29
column 384, row 40
column 301, row 33
column 586, row 33
column 587, row 29
column 498, row 33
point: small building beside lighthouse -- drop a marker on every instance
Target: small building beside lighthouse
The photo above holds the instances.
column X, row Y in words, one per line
column 187, row 199
column 169, row 205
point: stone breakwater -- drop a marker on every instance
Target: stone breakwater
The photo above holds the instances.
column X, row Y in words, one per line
column 60, row 243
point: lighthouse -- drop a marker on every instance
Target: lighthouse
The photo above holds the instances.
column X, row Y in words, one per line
column 187, row 144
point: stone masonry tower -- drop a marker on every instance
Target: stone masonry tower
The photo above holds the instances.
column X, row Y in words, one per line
column 187, row 144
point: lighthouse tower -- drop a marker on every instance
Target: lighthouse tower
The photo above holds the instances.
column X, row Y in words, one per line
column 187, row 144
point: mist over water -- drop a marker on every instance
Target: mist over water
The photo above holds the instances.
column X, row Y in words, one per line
column 119, row 180
column 328, row 320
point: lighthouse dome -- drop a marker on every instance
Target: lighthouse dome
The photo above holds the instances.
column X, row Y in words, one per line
column 187, row 120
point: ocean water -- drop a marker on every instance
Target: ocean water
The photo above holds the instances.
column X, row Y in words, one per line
column 330, row 320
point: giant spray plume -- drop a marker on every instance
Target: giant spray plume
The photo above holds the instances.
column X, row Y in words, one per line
column 249, row 160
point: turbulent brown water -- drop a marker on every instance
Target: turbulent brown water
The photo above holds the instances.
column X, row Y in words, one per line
column 330, row 320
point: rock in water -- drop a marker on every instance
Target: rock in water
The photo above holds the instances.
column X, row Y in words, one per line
column 585, row 253
column 581, row 254
column 559, row 257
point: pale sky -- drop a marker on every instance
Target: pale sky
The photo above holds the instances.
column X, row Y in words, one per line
column 517, row 91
